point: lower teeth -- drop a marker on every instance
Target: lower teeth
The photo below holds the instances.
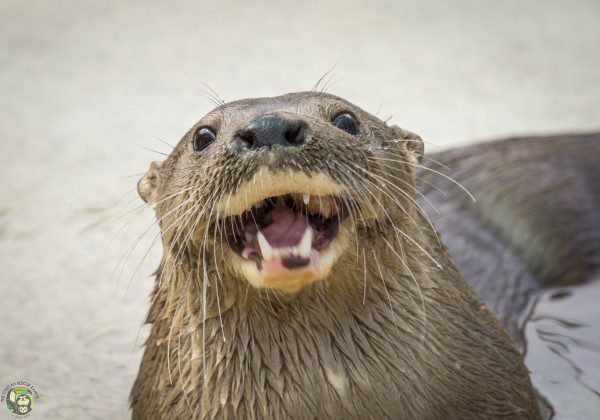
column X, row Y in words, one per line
column 302, row 249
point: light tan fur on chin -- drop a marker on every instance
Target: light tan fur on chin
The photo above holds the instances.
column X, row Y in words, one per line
column 293, row 280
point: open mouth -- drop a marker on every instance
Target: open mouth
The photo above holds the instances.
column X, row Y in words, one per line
column 286, row 232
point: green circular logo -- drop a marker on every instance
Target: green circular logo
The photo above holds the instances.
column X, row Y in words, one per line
column 19, row 398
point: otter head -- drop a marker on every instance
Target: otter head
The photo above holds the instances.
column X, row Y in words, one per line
column 275, row 191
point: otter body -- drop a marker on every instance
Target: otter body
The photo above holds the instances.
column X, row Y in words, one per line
column 302, row 279
column 535, row 223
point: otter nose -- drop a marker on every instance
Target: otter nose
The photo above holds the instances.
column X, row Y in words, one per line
column 269, row 130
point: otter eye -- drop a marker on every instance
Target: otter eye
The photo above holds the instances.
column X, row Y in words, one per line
column 346, row 122
column 203, row 138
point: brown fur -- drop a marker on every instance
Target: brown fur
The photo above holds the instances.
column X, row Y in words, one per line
column 540, row 194
column 393, row 332
column 535, row 224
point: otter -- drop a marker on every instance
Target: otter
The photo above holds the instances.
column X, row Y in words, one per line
column 301, row 277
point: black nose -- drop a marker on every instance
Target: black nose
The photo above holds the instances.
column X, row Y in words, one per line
column 269, row 130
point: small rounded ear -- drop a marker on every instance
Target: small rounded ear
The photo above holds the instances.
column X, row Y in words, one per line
column 148, row 185
column 410, row 141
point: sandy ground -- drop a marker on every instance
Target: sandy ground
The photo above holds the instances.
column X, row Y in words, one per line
column 81, row 82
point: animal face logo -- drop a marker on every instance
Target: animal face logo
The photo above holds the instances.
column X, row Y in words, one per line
column 20, row 400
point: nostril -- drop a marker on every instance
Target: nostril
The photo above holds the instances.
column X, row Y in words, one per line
column 295, row 134
column 246, row 138
column 271, row 130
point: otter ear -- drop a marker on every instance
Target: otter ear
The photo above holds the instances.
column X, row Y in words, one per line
column 148, row 185
column 410, row 141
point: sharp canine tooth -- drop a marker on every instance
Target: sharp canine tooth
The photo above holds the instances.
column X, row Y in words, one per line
column 249, row 237
column 327, row 209
column 306, row 198
column 265, row 249
column 305, row 244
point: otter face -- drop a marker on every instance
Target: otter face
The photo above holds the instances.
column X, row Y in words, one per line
column 274, row 190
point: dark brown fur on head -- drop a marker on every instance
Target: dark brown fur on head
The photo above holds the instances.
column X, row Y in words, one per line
column 392, row 330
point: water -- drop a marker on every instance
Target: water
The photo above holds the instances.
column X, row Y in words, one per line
column 563, row 344
column 81, row 82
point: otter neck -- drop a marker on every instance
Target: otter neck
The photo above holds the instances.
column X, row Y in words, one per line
column 330, row 345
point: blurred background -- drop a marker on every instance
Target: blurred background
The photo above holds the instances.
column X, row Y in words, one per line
column 86, row 86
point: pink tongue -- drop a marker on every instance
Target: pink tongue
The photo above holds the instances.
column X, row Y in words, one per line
column 286, row 228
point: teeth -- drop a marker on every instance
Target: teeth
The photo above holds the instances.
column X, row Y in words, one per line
column 303, row 249
column 321, row 206
column 265, row 249
column 305, row 245
column 306, row 198
column 249, row 237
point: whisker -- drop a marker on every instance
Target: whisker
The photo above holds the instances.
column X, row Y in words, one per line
column 214, row 93
column 150, row 150
column 407, row 268
column 458, row 184
column 164, row 142
column 365, row 277
column 386, row 291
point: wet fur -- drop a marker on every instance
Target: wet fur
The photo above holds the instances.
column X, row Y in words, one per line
column 536, row 221
column 393, row 332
